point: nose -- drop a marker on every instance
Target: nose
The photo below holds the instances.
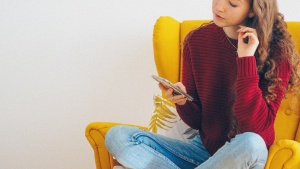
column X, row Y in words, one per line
column 219, row 5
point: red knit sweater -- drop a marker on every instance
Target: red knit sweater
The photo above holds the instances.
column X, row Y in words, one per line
column 224, row 84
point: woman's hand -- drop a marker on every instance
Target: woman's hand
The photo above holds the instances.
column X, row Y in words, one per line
column 249, row 48
column 177, row 99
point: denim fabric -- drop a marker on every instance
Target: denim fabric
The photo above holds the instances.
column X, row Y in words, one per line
column 139, row 149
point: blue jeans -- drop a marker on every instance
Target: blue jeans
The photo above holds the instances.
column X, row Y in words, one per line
column 139, row 149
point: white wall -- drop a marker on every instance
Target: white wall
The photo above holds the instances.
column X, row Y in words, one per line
column 66, row 63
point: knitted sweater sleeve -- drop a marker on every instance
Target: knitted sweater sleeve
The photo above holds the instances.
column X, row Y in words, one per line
column 190, row 112
column 251, row 110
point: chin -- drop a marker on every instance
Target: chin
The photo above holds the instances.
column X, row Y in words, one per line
column 219, row 24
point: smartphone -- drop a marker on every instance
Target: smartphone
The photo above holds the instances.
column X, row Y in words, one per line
column 168, row 84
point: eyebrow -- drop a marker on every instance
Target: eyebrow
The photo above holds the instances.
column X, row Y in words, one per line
column 240, row 1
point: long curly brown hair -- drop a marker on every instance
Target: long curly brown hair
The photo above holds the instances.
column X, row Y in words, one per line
column 275, row 44
column 273, row 38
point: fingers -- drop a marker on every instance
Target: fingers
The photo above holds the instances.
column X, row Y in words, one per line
column 169, row 93
column 181, row 86
column 247, row 41
column 252, row 38
column 162, row 87
column 177, row 99
column 251, row 33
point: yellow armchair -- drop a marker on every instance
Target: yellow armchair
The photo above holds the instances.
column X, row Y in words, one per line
column 168, row 35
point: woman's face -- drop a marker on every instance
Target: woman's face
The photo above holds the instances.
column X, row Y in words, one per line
column 231, row 12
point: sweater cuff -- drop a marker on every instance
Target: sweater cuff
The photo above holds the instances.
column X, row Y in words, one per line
column 187, row 107
column 246, row 66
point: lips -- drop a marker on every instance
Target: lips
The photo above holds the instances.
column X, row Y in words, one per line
column 218, row 16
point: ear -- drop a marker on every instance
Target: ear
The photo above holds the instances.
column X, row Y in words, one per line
column 251, row 14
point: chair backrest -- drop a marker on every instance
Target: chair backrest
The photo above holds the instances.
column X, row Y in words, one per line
column 168, row 35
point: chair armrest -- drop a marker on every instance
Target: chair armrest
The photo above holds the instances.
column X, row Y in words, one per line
column 95, row 133
column 283, row 154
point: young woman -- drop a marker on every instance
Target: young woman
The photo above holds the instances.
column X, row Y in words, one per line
column 237, row 68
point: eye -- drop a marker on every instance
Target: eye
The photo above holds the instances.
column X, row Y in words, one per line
column 233, row 5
